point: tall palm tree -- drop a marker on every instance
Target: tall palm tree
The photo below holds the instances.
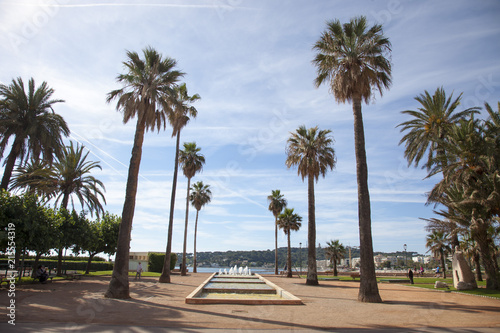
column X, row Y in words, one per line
column 178, row 117
column 354, row 61
column 431, row 124
column 28, row 118
column 277, row 203
column 289, row 221
column 191, row 162
column 437, row 242
column 335, row 251
column 312, row 152
column 147, row 86
column 199, row 197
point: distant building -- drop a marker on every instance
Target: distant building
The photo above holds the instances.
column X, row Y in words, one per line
column 138, row 257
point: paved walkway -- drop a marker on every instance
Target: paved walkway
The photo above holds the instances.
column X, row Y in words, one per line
column 79, row 306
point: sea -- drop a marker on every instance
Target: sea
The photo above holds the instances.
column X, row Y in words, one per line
column 258, row 270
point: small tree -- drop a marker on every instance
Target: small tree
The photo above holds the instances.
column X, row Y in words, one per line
column 335, row 251
column 289, row 221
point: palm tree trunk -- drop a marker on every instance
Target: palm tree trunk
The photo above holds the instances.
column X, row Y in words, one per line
column 119, row 284
column 489, row 266
column 479, row 275
column 289, row 257
column 165, row 274
column 276, row 245
column 11, row 161
column 184, row 269
column 335, row 272
column 443, row 264
column 368, row 289
column 195, row 233
column 312, row 271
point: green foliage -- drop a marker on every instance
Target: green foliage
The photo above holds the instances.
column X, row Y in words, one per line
column 156, row 260
column 67, row 265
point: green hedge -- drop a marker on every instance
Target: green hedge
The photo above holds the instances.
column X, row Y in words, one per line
column 156, row 260
column 67, row 265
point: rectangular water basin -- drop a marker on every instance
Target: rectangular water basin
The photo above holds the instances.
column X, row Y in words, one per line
column 240, row 290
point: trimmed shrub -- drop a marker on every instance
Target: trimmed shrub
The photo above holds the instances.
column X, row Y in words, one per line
column 156, row 260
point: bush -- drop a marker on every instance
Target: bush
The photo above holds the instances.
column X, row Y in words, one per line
column 156, row 260
column 67, row 265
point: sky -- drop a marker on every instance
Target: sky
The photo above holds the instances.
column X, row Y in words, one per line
column 251, row 63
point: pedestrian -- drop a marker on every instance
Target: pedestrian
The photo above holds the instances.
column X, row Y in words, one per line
column 138, row 271
column 410, row 275
column 437, row 272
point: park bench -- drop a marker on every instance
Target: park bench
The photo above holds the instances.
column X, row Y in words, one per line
column 355, row 275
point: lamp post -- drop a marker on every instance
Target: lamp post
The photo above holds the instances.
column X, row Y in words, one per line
column 404, row 246
column 300, row 257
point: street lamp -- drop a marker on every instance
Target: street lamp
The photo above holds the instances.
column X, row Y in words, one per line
column 404, row 246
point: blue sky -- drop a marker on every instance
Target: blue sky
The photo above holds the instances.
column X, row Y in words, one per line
column 250, row 61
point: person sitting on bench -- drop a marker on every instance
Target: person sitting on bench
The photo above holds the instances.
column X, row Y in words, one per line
column 41, row 274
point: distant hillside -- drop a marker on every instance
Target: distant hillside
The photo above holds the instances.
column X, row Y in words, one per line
column 266, row 258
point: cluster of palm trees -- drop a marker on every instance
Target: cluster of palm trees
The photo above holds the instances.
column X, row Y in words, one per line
column 151, row 93
column 45, row 166
column 465, row 152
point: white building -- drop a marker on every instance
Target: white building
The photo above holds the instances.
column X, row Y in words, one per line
column 138, row 257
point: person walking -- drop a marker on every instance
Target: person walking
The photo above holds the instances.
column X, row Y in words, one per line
column 138, row 271
column 410, row 275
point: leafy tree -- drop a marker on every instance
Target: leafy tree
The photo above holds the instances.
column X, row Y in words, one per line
column 199, row 197
column 191, row 162
column 335, row 251
column 312, row 152
column 28, row 118
column 147, row 86
column 437, row 242
column 289, row 221
column 354, row 61
column 277, row 203
column 178, row 117
column 100, row 236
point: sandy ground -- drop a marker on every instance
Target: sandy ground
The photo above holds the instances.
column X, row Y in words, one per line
column 332, row 305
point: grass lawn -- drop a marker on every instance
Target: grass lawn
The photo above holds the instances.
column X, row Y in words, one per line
column 429, row 284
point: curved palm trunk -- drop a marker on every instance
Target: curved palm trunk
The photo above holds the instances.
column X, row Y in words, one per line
column 119, row 285
column 276, row 245
column 368, row 289
column 11, row 161
column 184, row 269
column 289, row 257
column 165, row 273
column 312, row 271
column 195, row 232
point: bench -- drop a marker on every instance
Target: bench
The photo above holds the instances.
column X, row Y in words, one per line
column 333, row 278
column 355, row 275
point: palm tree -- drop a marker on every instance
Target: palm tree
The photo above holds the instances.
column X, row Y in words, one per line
column 28, row 118
column 147, row 86
column 178, row 117
column 311, row 151
column 354, row 62
column 289, row 221
column 335, row 251
column 191, row 162
column 277, row 203
column 199, row 197
column 437, row 242
column 431, row 124
column 68, row 177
